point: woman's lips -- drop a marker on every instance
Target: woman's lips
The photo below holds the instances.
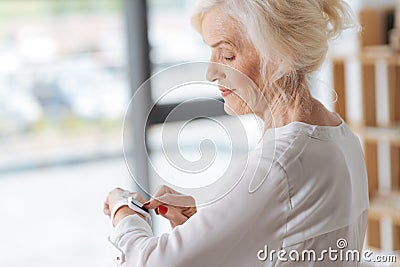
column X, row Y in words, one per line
column 225, row 92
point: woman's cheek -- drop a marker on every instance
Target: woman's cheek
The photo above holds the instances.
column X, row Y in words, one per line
column 245, row 82
column 238, row 105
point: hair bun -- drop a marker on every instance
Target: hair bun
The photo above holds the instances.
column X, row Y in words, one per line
column 339, row 16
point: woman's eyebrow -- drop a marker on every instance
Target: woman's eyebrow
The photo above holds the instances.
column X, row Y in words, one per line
column 222, row 42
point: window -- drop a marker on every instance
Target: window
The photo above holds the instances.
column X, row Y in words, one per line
column 63, row 94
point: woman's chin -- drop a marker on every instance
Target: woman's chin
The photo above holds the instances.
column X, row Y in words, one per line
column 229, row 111
column 234, row 111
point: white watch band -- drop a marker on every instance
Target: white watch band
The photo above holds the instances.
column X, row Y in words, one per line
column 126, row 202
column 117, row 206
column 142, row 212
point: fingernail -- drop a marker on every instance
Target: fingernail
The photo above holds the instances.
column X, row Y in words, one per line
column 163, row 209
column 156, row 210
column 147, row 203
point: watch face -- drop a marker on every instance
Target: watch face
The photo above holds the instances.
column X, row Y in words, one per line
column 138, row 204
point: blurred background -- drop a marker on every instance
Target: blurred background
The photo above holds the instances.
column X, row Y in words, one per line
column 68, row 69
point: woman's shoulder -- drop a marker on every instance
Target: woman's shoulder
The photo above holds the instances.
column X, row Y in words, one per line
column 277, row 148
column 289, row 143
column 321, row 165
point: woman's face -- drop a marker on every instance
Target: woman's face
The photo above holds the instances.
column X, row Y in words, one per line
column 230, row 48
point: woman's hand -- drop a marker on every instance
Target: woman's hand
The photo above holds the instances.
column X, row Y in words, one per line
column 174, row 206
column 113, row 198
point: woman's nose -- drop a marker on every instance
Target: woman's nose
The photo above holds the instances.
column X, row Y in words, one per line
column 215, row 72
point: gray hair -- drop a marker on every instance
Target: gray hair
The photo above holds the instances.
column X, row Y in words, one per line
column 290, row 35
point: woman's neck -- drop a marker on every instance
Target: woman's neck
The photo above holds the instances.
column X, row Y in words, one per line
column 303, row 109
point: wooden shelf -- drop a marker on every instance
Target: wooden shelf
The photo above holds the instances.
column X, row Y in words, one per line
column 371, row 54
column 385, row 205
column 374, row 53
column 390, row 134
column 379, row 75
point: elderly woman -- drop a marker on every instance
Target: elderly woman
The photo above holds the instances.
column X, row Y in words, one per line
column 313, row 197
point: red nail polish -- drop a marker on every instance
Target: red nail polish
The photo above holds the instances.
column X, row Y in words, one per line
column 163, row 209
column 147, row 203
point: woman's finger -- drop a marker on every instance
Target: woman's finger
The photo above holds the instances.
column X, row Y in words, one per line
column 168, row 196
column 172, row 200
column 164, row 190
column 153, row 204
column 118, row 194
column 189, row 212
column 106, row 209
column 139, row 198
column 177, row 200
column 173, row 214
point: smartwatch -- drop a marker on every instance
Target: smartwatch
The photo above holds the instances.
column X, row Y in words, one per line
column 137, row 203
column 133, row 204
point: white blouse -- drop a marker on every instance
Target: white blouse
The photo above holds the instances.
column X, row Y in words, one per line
column 295, row 207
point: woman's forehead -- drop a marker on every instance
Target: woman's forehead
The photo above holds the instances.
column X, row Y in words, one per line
column 218, row 28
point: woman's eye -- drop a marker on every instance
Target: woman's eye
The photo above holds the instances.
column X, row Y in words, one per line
column 226, row 55
column 229, row 58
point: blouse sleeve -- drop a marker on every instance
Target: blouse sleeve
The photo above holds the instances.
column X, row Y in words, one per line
column 208, row 238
